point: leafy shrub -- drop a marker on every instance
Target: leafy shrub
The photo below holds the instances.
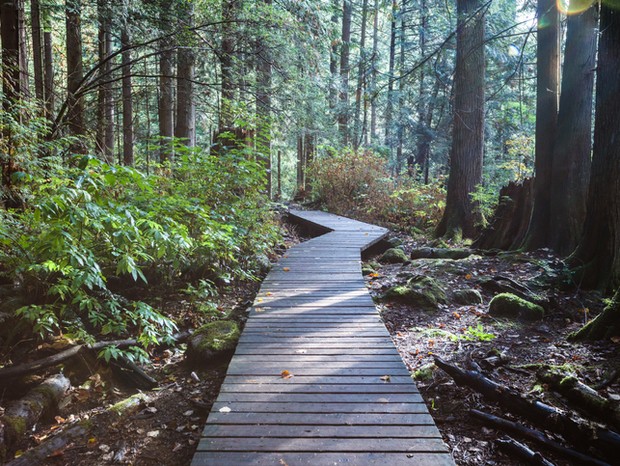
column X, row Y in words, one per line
column 90, row 231
column 359, row 184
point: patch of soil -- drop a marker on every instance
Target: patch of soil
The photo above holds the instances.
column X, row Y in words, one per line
column 508, row 351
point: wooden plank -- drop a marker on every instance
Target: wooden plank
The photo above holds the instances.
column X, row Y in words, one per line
column 347, row 388
column 311, row 379
column 369, row 360
column 249, row 348
column 347, row 408
column 304, row 431
column 321, row 459
column 293, row 397
column 318, row 369
column 284, row 444
column 333, row 419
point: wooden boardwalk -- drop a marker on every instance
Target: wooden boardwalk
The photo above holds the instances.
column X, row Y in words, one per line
column 315, row 379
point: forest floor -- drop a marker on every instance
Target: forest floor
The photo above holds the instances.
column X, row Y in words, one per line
column 472, row 339
column 164, row 427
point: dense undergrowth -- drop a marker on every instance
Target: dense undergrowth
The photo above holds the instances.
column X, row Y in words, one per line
column 87, row 232
column 359, row 184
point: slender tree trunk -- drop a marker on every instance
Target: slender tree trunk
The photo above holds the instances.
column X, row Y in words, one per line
column 75, row 74
column 105, row 104
column 301, row 165
column 373, row 74
column 401, row 89
column 361, row 72
column 333, row 62
column 468, row 123
column 597, row 258
column 547, row 91
column 571, row 152
column 127, row 99
column 166, row 91
column 185, row 76
column 48, row 61
column 390, row 93
column 423, row 144
column 263, row 100
column 343, row 115
column 229, row 14
column 37, row 50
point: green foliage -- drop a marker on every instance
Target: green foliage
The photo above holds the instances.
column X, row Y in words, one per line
column 92, row 231
column 359, row 184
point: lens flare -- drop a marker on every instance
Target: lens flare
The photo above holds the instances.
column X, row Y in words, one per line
column 574, row 7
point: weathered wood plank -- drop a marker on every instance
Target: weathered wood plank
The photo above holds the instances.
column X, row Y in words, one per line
column 293, row 397
column 317, row 369
column 345, row 408
column 321, row 459
column 320, row 419
column 320, row 388
column 304, row 431
column 311, row 379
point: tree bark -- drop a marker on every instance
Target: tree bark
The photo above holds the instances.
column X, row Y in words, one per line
column 14, row 60
column 361, row 80
column 105, row 103
column 166, row 88
column 48, row 61
column 37, row 50
column 400, row 128
column 343, row 114
column 263, row 100
column 229, row 14
column 75, row 103
column 547, row 91
column 466, row 154
column 390, row 94
column 596, row 260
column 572, row 148
column 127, row 90
column 185, row 75
column 333, row 62
column 373, row 73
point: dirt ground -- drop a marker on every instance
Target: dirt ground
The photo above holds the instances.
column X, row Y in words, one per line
column 163, row 428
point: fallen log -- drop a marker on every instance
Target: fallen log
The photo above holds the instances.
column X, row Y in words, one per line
column 582, row 396
column 536, row 436
column 55, row 359
column 21, row 415
column 575, row 430
column 514, row 448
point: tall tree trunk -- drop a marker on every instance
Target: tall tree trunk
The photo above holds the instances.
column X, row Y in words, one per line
column 361, row 79
column 263, row 100
column 547, row 91
column 401, row 89
column 185, row 77
column 390, row 94
column 423, row 143
column 373, row 74
column 468, row 123
column 48, row 62
column 229, row 14
column 597, row 258
column 105, row 104
column 571, row 151
column 333, row 61
column 127, row 89
column 343, row 114
column 37, row 50
column 166, row 91
column 75, row 74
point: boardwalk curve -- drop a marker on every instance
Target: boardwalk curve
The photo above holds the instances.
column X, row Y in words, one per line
column 315, row 379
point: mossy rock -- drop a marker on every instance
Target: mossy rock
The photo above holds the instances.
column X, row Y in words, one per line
column 394, row 256
column 213, row 340
column 467, row 297
column 441, row 253
column 424, row 293
column 424, row 373
column 394, row 241
column 512, row 306
column 367, row 270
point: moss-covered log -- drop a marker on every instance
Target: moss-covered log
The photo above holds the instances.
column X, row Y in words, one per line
column 605, row 325
column 21, row 415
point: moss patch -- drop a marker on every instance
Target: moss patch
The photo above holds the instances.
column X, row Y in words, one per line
column 394, row 256
column 510, row 305
column 213, row 340
column 421, row 292
column 467, row 297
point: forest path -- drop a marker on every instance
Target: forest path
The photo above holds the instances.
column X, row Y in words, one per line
column 315, row 379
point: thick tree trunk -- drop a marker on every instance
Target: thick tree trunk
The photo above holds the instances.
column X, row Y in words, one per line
column 75, row 74
column 547, row 90
column 105, row 104
column 166, row 88
column 597, row 258
column 389, row 109
column 185, row 76
column 572, row 148
column 343, row 114
column 127, row 98
column 361, row 79
column 48, row 63
column 468, row 123
column 14, row 61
